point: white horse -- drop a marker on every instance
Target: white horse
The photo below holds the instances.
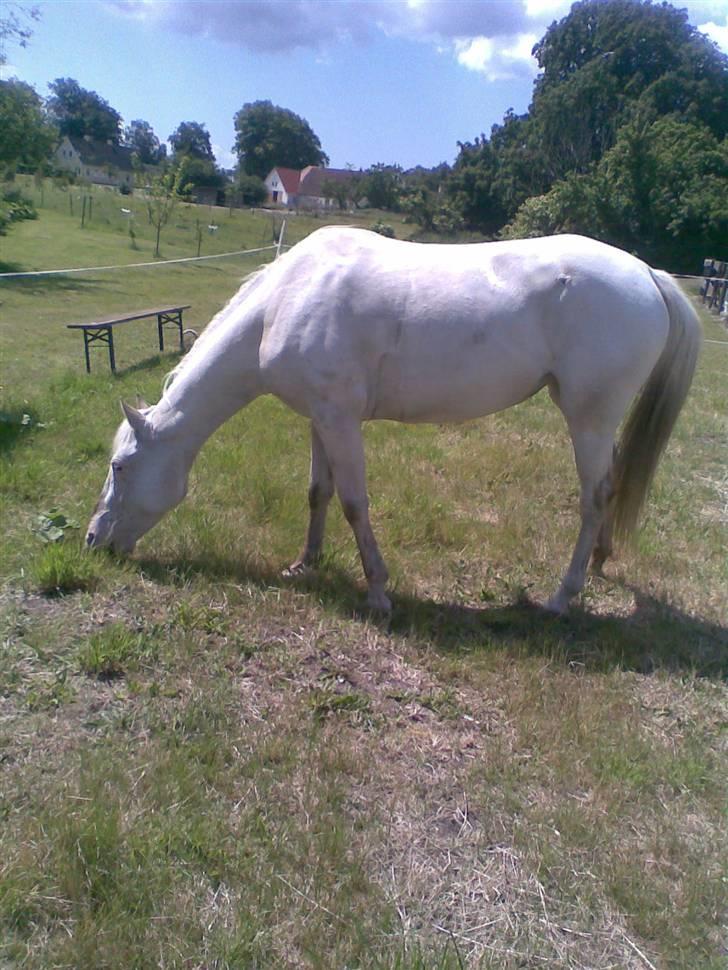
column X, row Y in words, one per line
column 350, row 326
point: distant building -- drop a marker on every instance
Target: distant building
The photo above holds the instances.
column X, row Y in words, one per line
column 310, row 188
column 102, row 163
column 282, row 185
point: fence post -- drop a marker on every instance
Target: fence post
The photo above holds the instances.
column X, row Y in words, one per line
column 280, row 239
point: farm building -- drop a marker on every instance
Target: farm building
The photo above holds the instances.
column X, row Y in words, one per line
column 102, row 163
column 282, row 184
column 310, row 188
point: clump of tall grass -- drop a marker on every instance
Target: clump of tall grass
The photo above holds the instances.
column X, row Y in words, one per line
column 63, row 567
column 112, row 651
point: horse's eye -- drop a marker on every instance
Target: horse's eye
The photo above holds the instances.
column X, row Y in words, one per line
column 116, row 467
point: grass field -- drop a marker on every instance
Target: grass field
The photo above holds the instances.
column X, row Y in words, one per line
column 203, row 765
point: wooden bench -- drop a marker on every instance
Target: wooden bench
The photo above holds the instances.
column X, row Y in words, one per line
column 102, row 331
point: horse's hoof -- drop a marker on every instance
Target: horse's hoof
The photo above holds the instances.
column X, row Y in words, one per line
column 379, row 602
column 297, row 568
column 556, row 606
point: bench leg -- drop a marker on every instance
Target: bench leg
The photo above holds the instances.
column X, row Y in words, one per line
column 176, row 319
column 85, row 350
column 112, row 359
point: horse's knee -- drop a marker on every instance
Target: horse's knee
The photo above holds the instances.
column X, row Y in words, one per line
column 355, row 510
column 604, row 492
column 598, row 499
column 319, row 494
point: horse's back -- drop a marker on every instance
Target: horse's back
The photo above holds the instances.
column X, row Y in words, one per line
column 445, row 332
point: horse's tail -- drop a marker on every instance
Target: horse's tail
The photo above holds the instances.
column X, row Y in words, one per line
column 653, row 415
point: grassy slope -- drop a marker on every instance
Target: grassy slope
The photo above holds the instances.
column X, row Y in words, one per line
column 204, row 765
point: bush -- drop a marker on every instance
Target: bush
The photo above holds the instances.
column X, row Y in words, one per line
column 251, row 190
column 16, row 207
column 384, row 229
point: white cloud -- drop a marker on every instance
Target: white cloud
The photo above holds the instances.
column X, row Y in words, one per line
column 498, row 60
column 717, row 32
column 547, row 8
column 493, row 37
column 273, row 25
column 7, row 71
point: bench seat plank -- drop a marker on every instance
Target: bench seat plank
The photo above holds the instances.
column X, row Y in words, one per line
column 138, row 315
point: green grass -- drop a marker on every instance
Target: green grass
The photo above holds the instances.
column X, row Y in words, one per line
column 63, row 567
column 204, row 764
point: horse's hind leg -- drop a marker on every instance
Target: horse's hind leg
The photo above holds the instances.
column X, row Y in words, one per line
column 343, row 443
column 320, row 491
column 605, row 539
column 593, row 452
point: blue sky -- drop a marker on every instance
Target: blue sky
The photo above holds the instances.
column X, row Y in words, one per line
column 395, row 81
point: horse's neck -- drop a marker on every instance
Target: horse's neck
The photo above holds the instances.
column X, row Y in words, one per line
column 218, row 379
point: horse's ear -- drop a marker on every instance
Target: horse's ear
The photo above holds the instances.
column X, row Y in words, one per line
column 135, row 418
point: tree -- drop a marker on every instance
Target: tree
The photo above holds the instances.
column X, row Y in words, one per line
column 382, row 186
column 345, row 192
column 192, row 139
column 27, row 138
column 79, row 113
column 140, row 138
column 606, row 65
column 250, row 189
column 162, row 193
column 15, row 25
column 649, row 52
column 661, row 191
column 267, row 135
column 194, row 158
column 493, row 176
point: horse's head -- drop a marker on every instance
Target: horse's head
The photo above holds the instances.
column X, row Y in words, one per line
column 147, row 477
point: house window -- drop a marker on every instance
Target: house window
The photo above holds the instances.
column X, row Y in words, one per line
column 275, row 196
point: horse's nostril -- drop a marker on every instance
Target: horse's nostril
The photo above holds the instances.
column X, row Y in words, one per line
column 90, row 538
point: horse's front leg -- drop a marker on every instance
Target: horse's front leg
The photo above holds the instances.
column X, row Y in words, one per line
column 344, row 446
column 320, row 491
column 593, row 452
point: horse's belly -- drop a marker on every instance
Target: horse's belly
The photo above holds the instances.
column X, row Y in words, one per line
column 443, row 393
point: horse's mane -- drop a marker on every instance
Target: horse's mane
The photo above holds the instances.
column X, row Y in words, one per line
column 219, row 320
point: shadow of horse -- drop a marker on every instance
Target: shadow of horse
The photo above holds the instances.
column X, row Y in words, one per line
column 656, row 635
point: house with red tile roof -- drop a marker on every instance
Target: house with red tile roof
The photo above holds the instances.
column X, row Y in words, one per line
column 282, row 184
column 310, row 188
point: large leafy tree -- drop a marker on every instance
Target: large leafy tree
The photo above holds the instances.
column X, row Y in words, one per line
column 79, row 113
column 27, row 138
column 194, row 158
column 267, row 135
column 140, row 138
column 606, row 65
column 661, row 190
column 630, row 56
column 192, row 139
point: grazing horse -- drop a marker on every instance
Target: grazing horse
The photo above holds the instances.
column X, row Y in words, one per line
column 350, row 326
